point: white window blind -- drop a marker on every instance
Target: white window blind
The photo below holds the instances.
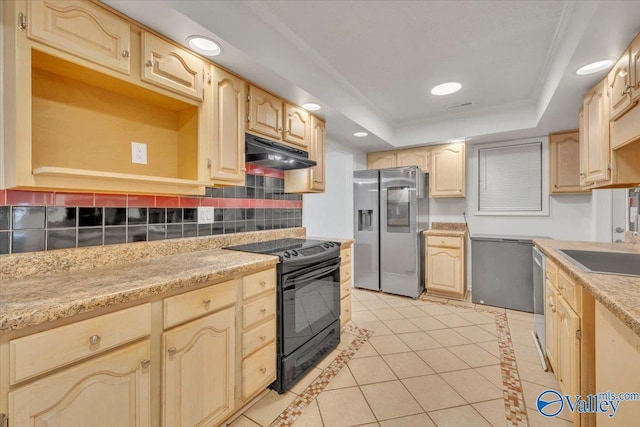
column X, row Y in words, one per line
column 510, row 178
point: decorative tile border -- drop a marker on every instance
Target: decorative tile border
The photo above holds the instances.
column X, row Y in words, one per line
column 293, row 411
column 515, row 408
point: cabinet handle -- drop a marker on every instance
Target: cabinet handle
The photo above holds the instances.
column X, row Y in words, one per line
column 583, row 174
column 263, row 310
column 280, row 128
column 172, row 351
column 125, row 53
column 555, row 185
column 263, row 283
column 263, row 338
column 145, row 363
column 206, row 302
column 553, row 308
column 627, row 89
column 149, row 63
column 263, row 370
column 94, row 339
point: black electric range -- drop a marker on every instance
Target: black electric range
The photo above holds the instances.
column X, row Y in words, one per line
column 308, row 303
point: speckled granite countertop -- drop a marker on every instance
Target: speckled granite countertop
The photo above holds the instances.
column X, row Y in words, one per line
column 620, row 294
column 36, row 300
column 451, row 226
column 444, row 233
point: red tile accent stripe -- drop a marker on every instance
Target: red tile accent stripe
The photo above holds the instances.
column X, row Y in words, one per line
column 3, row 197
column 19, row 197
column 136, row 201
column 167, row 202
column 117, row 200
column 73, row 199
column 189, row 202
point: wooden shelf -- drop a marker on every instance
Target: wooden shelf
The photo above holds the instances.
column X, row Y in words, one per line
column 83, row 179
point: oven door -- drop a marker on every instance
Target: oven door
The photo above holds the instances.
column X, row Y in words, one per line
column 310, row 303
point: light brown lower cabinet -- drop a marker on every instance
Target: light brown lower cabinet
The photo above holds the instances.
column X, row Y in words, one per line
column 345, row 285
column 184, row 360
column 570, row 337
column 445, row 265
column 198, row 371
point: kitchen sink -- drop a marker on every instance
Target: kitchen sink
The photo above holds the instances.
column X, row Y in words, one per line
column 624, row 263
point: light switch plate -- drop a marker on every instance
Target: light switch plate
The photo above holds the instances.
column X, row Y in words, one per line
column 205, row 215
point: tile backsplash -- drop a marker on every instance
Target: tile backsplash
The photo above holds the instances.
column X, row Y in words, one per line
column 38, row 221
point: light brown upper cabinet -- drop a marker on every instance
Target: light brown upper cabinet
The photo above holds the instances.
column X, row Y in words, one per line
column 634, row 66
column 564, row 163
column 310, row 180
column 227, row 142
column 619, row 85
column 265, row 114
column 594, row 140
column 170, row 67
column 381, row 160
column 420, row 157
column 83, row 29
column 297, row 125
column 447, row 174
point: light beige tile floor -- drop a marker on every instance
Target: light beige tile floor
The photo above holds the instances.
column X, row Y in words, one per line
column 427, row 364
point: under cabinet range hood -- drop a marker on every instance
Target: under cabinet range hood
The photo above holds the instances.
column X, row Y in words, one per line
column 270, row 154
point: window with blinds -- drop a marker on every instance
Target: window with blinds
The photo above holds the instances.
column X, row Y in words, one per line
column 510, row 178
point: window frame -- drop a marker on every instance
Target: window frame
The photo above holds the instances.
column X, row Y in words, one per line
column 544, row 182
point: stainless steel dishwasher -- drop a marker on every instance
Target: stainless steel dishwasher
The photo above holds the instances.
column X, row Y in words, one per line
column 539, row 297
column 501, row 271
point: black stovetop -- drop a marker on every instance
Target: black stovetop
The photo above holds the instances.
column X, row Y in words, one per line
column 289, row 249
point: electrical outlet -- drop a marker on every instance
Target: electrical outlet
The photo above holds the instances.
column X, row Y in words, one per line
column 205, row 215
column 139, row 153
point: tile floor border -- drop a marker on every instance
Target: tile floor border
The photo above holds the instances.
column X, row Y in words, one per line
column 293, row 411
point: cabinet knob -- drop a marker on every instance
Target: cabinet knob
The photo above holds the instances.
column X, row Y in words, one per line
column 263, row 370
column 145, row 363
column 583, row 174
column 263, row 310
column 94, row 339
column 555, row 185
column 263, row 283
column 263, row 338
column 149, row 63
column 552, row 307
column 560, row 287
column 172, row 351
column 206, row 302
column 125, row 53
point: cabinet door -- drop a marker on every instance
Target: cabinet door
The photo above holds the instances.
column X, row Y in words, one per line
column 568, row 370
column 198, row 371
column 316, row 153
column 551, row 324
column 634, row 66
column 381, row 160
column 112, row 390
column 265, row 113
column 444, row 270
column 229, row 111
column 596, row 125
column 447, row 171
column 414, row 157
column 296, row 126
column 564, row 163
column 169, row 67
column 619, row 87
column 83, row 29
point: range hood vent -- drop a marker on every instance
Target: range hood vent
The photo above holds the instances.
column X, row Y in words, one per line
column 270, row 154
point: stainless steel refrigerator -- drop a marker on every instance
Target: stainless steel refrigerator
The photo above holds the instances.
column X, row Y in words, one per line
column 391, row 210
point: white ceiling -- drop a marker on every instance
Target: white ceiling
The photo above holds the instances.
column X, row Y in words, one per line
column 371, row 64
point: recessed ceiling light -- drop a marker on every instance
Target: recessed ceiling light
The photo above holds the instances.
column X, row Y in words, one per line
column 204, row 45
column 310, row 106
column 456, row 140
column 446, row 88
column 360, row 134
column 594, row 67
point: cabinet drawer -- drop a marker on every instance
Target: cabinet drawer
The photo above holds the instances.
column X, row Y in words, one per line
column 258, row 310
column 258, row 370
column 258, row 337
column 193, row 304
column 551, row 272
column 44, row 351
column 345, row 255
column 444, row 241
column 345, row 310
column 345, row 271
column 258, row 283
column 571, row 291
column 345, row 288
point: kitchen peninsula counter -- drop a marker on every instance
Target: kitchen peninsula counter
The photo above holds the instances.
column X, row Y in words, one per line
column 619, row 294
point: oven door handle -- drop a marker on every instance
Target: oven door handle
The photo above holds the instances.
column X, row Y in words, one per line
column 292, row 283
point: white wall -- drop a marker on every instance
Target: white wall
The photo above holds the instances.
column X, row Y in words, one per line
column 330, row 214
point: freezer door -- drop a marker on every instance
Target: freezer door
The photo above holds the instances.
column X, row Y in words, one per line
column 366, row 255
column 399, row 255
